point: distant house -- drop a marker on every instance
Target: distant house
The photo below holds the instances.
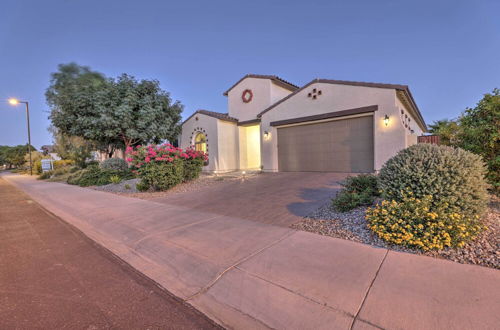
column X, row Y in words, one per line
column 325, row 125
column 49, row 150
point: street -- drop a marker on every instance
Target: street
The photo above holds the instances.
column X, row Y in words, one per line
column 53, row 277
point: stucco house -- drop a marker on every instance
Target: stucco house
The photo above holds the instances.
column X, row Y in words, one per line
column 325, row 125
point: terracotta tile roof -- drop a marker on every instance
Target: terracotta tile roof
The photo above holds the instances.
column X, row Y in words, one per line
column 277, row 80
column 218, row 115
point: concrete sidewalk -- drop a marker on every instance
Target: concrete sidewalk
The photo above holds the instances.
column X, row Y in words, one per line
column 245, row 274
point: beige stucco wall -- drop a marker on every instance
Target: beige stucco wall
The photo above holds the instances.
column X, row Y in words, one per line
column 265, row 93
column 209, row 125
column 249, row 147
column 410, row 138
column 387, row 139
column 228, row 154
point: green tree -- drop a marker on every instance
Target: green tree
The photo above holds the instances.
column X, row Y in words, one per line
column 14, row 156
column 112, row 113
column 480, row 134
column 447, row 130
column 72, row 147
column 140, row 112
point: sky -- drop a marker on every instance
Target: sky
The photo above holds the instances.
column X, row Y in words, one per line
column 448, row 52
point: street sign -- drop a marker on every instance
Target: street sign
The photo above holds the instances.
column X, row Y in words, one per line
column 47, row 165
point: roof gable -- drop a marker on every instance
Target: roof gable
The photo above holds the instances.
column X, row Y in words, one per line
column 402, row 89
column 275, row 79
column 217, row 115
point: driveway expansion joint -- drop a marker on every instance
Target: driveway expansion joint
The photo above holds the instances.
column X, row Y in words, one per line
column 206, row 288
column 368, row 290
column 173, row 229
column 296, row 293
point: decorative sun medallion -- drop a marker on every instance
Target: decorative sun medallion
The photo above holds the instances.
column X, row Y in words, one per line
column 247, row 95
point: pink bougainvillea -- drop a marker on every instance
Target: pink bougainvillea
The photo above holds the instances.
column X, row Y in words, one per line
column 142, row 155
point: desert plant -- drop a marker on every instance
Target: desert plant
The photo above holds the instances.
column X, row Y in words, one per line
column 63, row 163
column 346, row 201
column 142, row 186
column 452, row 176
column 420, row 223
column 96, row 176
column 45, row 175
column 116, row 164
column 127, row 186
column 115, row 179
column 61, row 171
column 356, row 191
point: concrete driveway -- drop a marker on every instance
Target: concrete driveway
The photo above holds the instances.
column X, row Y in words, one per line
column 249, row 275
column 273, row 198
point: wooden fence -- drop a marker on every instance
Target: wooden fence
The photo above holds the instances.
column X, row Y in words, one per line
column 433, row 139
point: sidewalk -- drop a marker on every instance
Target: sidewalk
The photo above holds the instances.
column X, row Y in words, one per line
column 245, row 274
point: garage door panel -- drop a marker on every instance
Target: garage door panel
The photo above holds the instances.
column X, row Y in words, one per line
column 335, row 146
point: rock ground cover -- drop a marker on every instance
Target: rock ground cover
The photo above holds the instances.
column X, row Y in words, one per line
column 484, row 250
column 203, row 181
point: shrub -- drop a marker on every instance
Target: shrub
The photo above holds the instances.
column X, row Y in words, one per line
column 61, row 171
column 362, row 183
column 161, row 175
column 162, row 167
column 63, row 163
column 96, row 176
column 142, row 186
column 455, row 178
column 115, row 179
column 127, row 186
column 419, row 222
column 356, row 191
column 45, row 175
column 73, row 169
column 192, row 168
column 346, row 201
column 116, row 164
column 75, row 177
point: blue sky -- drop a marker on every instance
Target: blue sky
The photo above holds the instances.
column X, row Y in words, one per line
column 448, row 52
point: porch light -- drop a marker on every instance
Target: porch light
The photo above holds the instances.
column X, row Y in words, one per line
column 386, row 120
column 266, row 135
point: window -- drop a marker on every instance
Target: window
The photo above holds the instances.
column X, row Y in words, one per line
column 200, row 142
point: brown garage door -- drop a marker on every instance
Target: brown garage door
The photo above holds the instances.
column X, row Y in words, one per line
column 335, row 146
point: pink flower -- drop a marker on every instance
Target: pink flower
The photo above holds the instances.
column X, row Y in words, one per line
column 129, row 159
column 147, row 159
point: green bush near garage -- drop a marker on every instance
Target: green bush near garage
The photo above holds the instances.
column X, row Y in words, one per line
column 356, row 191
column 453, row 176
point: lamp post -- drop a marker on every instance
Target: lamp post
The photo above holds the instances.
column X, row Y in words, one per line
column 16, row 102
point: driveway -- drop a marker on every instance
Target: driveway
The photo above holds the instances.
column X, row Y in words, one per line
column 273, row 198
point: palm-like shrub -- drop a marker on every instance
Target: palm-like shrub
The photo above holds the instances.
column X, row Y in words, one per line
column 455, row 178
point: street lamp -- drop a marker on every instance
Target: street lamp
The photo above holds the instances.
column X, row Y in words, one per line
column 15, row 102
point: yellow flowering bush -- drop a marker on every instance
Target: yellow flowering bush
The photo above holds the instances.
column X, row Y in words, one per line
column 418, row 222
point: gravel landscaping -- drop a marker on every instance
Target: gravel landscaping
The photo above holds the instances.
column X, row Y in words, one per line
column 204, row 180
column 484, row 250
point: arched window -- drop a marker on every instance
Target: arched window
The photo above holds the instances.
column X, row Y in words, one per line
column 200, row 142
